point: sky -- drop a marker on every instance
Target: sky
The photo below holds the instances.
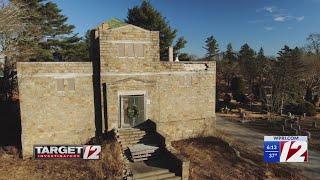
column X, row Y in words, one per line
column 261, row 23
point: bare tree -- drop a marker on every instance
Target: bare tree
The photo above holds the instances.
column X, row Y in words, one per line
column 314, row 44
column 18, row 40
column 311, row 80
column 16, row 32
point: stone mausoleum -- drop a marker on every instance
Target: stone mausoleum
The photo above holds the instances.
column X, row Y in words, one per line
column 124, row 85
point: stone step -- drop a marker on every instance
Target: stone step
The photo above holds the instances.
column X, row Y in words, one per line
column 150, row 173
column 137, row 153
column 129, row 143
column 131, row 134
column 145, row 158
column 147, row 141
column 159, row 176
column 130, row 138
column 129, row 131
column 173, row 178
column 142, row 147
column 144, row 154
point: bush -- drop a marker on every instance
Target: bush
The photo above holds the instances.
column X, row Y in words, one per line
column 309, row 96
column 227, row 98
column 315, row 100
column 237, row 86
column 308, row 108
column 301, row 108
column 242, row 98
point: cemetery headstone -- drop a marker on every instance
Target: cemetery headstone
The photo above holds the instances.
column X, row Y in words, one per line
column 299, row 128
column 308, row 134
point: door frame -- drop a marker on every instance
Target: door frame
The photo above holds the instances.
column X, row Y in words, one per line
column 130, row 93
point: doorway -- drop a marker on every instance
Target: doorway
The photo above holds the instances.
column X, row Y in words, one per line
column 132, row 110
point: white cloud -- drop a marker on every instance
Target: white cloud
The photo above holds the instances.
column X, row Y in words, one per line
column 301, row 18
column 280, row 18
column 268, row 28
column 269, row 9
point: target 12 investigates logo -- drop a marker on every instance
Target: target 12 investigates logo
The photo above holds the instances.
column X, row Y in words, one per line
column 67, row 151
column 285, row 149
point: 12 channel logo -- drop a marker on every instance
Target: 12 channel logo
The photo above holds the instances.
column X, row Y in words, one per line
column 285, row 149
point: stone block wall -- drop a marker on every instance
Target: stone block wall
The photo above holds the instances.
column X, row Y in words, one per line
column 53, row 111
column 109, row 39
column 180, row 100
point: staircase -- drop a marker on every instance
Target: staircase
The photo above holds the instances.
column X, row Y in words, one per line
column 162, row 174
column 140, row 146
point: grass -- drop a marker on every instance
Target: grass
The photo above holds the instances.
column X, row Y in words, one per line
column 213, row 158
column 110, row 166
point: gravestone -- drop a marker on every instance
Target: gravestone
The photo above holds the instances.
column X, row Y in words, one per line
column 314, row 124
column 308, row 134
column 243, row 115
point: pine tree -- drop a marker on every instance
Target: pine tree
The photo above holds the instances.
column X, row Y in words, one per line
column 246, row 53
column 260, row 55
column 230, row 55
column 211, row 46
column 58, row 42
column 290, row 70
column 147, row 17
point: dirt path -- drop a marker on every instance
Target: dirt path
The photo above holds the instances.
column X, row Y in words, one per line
column 254, row 138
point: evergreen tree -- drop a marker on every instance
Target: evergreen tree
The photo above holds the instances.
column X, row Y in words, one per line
column 289, row 71
column 18, row 32
column 58, row 42
column 248, row 64
column 309, row 97
column 260, row 55
column 230, row 55
column 246, row 53
column 147, row 17
column 211, row 46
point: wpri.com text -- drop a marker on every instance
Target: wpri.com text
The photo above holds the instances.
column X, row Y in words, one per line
column 67, row 152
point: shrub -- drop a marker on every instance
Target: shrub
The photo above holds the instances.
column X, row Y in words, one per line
column 301, row 108
column 237, row 86
column 308, row 108
column 227, row 98
column 242, row 98
column 315, row 100
column 309, row 96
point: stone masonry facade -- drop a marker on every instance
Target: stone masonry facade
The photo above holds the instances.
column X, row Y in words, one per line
column 57, row 99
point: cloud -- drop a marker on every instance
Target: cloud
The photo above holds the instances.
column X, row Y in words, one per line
column 301, row 18
column 269, row 9
column 280, row 18
column 283, row 18
column 268, row 28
